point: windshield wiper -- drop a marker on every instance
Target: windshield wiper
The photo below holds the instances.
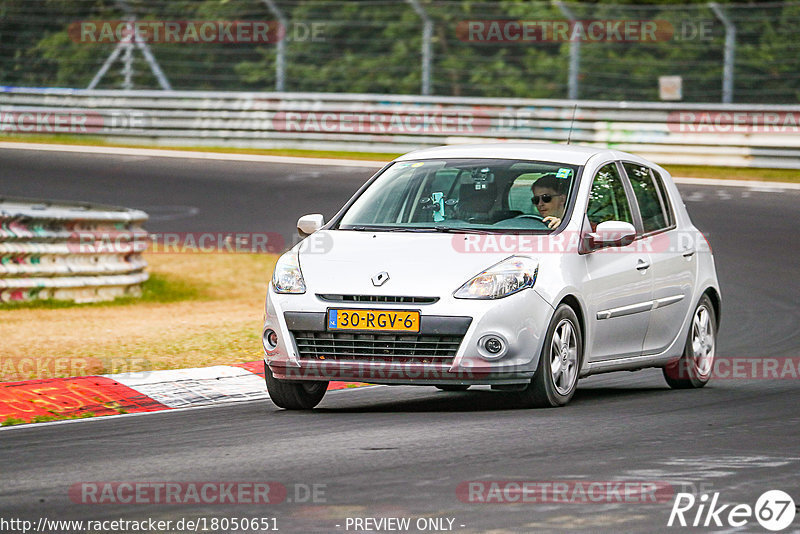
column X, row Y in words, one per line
column 461, row 230
column 387, row 229
column 441, row 229
column 365, row 228
column 423, row 229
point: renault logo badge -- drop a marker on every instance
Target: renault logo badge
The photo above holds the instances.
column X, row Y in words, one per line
column 380, row 278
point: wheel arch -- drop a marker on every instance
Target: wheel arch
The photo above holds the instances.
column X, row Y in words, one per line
column 573, row 302
column 716, row 301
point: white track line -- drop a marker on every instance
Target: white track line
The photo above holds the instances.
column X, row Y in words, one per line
column 188, row 154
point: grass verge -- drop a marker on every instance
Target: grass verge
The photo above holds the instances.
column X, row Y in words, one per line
column 735, row 173
column 157, row 288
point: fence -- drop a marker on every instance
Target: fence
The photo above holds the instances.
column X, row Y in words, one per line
column 64, row 251
column 732, row 52
column 701, row 134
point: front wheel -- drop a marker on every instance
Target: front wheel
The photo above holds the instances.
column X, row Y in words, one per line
column 556, row 377
column 693, row 368
column 294, row 395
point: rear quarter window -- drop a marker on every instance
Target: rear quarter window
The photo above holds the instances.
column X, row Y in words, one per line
column 669, row 212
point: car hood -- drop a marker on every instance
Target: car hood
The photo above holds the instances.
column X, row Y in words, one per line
column 418, row 264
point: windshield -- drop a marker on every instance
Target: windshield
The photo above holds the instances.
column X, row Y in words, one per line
column 465, row 194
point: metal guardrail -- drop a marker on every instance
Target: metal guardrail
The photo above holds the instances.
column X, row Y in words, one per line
column 70, row 251
column 668, row 133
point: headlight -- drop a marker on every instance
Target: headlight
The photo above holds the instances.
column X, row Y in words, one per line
column 501, row 280
column 287, row 277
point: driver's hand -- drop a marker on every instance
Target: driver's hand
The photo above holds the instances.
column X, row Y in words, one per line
column 552, row 222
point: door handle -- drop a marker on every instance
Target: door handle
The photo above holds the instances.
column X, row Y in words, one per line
column 642, row 265
column 688, row 253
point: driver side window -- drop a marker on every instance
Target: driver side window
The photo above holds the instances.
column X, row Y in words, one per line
column 607, row 200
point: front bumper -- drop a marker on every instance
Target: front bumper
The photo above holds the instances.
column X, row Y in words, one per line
column 446, row 350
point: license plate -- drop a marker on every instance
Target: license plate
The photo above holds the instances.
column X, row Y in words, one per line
column 373, row 320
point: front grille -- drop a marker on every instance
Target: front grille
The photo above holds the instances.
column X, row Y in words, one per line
column 386, row 348
column 378, row 298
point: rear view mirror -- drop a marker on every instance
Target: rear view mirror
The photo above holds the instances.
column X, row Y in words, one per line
column 611, row 234
column 308, row 224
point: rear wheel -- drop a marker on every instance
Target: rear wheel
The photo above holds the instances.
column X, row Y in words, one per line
column 294, row 395
column 693, row 368
column 556, row 377
column 453, row 387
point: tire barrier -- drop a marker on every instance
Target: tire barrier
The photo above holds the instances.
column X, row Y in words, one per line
column 744, row 135
column 70, row 251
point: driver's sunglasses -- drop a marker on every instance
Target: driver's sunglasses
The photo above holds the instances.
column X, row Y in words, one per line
column 544, row 198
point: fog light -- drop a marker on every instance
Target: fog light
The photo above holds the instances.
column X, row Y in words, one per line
column 270, row 339
column 493, row 345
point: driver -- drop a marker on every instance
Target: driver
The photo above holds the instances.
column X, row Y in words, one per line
column 549, row 197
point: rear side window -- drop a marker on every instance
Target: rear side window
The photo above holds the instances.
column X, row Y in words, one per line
column 669, row 214
column 607, row 200
column 650, row 197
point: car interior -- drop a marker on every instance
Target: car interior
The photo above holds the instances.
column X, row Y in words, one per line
column 479, row 193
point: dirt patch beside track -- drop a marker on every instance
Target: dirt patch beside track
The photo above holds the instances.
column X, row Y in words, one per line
column 217, row 321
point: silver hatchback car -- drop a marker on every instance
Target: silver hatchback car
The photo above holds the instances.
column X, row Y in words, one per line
column 520, row 266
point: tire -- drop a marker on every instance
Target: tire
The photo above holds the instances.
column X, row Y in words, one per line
column 693, row 369
column 453, row 387
column 556, row 377
column 294, row 395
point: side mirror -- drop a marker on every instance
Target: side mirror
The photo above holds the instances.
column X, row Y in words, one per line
column 611, row 234
column 308, row 224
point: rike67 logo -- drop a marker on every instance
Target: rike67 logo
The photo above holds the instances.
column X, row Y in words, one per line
column 774, row 510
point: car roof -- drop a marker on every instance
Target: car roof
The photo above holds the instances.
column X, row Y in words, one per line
column 572, row 154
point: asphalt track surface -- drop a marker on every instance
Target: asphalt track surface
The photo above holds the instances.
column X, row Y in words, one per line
column 403, row 451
